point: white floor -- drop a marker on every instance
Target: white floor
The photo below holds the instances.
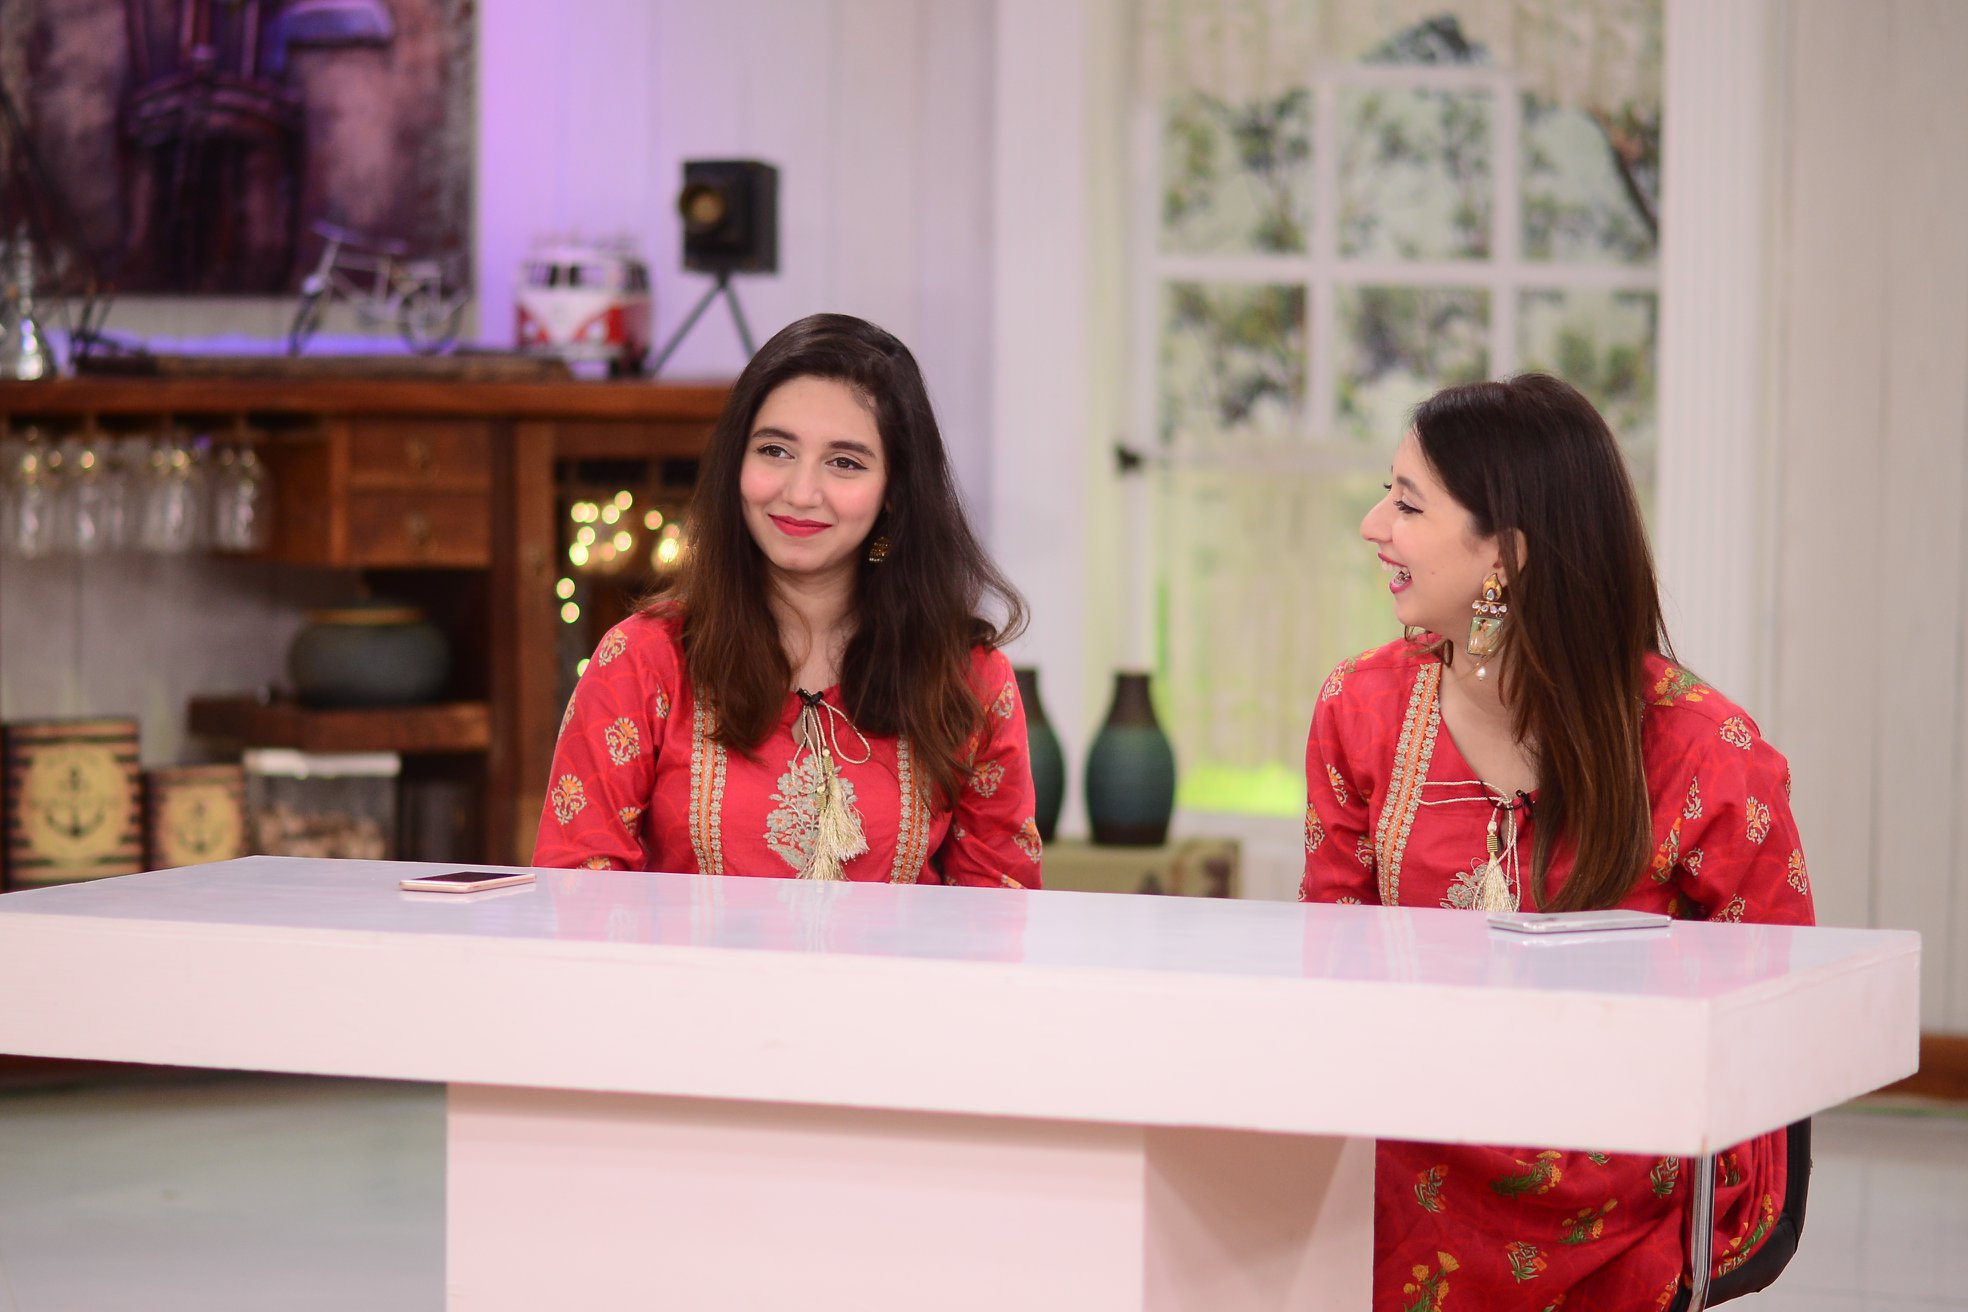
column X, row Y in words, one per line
column 262, row 1194
column 232, row 1194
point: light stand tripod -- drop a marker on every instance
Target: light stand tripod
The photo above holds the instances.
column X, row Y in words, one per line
column 723, row 284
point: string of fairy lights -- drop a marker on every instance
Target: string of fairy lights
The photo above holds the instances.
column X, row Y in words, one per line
column 610, row 537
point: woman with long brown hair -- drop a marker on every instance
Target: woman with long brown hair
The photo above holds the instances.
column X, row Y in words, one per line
column 820, row 694
column 1532, row 744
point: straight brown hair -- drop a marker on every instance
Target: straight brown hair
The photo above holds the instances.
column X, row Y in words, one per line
column 917, row 615
column 1536, row 466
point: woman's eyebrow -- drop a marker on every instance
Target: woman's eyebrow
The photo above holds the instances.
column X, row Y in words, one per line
column 839, row 444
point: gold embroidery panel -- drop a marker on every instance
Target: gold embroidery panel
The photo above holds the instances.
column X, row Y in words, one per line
column 1411, row 757
column 911, row 821
column 706, row 791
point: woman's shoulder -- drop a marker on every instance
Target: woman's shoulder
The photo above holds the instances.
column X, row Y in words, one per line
column 1681, row 707
column 992, row 678
column 650, row 639
column 1389, row 665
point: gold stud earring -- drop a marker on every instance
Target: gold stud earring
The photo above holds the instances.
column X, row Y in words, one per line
column 1486, row 626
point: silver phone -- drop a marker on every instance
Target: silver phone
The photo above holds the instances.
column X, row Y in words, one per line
column 1576, row 922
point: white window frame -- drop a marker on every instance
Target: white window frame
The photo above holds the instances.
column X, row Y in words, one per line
column 1316, row 446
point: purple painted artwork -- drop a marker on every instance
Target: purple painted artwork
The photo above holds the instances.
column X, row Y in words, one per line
column 191, row 146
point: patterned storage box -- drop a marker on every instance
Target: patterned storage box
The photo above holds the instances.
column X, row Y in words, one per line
column 71, row 801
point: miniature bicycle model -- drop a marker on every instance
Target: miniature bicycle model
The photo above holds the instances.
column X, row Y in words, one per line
column 373, row 275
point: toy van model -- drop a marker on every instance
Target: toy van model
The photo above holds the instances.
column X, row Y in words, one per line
column 585, row 303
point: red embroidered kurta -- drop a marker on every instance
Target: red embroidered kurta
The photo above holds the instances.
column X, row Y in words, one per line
column 1394, row 815
column 639, row 783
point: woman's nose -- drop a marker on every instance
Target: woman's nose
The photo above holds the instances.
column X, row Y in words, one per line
column 804, row 485
column 1373, row 525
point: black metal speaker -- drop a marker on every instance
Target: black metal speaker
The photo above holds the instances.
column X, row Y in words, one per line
column 730, row 210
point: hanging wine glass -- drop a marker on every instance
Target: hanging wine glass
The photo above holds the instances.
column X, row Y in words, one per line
column 241, row 499
column 31, row 477
column 86, row 494
column 170, row 523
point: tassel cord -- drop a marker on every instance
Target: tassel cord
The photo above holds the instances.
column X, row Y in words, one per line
column 1499, row 884
column 837, row 833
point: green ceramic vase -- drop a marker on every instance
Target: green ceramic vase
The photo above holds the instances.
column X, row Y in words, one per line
column 1130, row 777
column 368, row 654
column 1048, row 760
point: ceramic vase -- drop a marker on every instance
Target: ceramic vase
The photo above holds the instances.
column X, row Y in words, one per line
column 1130, row 777
column 1048, row 760
column 368, row 654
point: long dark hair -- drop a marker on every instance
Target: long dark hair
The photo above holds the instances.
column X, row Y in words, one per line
column 917, row 614
column 1535, row 465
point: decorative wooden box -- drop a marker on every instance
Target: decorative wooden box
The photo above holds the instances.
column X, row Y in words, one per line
column 194, row 814
column 71, row 801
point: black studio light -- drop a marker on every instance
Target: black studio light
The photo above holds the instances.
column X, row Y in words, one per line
column 730, row 211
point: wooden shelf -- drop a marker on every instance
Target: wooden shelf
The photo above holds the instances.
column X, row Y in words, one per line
column 449, row 483
column 446, row 727
column 691, row 403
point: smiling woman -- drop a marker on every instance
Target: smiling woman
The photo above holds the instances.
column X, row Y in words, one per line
column 821, row 693
column 1532, row 744
column 813, row 484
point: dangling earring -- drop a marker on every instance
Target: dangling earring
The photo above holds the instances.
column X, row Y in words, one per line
column 1486, row 629
column 878, row 549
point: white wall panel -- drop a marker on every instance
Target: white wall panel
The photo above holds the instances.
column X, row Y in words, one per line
column 1041, row 444
column 876, row 164
column 40, row 655
column 1923, row 643
column 1832, row 402
column 1714, row 514
column 1922, row 434
column 1872, row 417
column 953, row 252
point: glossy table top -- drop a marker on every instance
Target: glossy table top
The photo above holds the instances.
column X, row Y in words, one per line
column 1410, row 1022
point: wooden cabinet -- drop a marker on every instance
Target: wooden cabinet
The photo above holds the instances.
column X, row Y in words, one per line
column 445, row 493
column 385, row 492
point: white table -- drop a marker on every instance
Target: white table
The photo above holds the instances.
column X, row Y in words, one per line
column 687, row 1092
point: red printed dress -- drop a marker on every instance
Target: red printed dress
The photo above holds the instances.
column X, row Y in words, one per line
column 1395, row 816
column 639, row 783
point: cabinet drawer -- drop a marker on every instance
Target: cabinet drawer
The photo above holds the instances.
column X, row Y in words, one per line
column 420, row 528
column 446, row 453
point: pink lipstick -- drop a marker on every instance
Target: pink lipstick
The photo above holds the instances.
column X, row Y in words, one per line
column 798, row 528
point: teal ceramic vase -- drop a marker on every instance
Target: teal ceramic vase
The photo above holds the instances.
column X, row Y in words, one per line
column 368, row 654
column 1048, row 760
column 1130, row 777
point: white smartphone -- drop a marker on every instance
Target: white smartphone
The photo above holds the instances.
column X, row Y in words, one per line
column 1575, row 922
column 467, row 881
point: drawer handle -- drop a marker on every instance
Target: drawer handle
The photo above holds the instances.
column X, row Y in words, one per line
column 417, row 528
column 419, row 452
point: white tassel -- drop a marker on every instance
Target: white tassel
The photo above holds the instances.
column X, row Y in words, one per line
column 837, row 834
column 1496, row 891
column 1493, row 893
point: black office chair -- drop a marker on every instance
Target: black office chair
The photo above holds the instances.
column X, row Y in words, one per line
column 1769, row 1261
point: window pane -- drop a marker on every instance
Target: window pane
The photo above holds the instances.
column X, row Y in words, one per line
column 1268, row 586
column 1591, row 185
column 1236, row 178
column 1233, row 363
column 1601, row 342
column 1414, row 170
column 1396, row 345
